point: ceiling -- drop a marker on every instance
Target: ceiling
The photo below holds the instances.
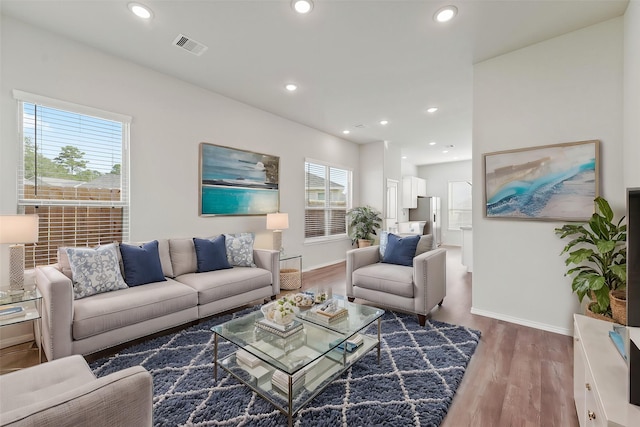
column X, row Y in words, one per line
column 356, row 62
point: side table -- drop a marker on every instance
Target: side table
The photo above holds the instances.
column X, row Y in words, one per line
column 290, row 272
column 31, row 302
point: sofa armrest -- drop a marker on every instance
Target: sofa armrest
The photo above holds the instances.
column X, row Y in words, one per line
column 269, row 260
column 57, row 311
column 357, row 258
column 118, row 399
column 430, row 279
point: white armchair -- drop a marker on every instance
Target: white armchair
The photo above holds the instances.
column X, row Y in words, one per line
column 65, row 393
column 415, row 289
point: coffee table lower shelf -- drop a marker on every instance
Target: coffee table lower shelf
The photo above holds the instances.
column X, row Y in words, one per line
column 318, row 376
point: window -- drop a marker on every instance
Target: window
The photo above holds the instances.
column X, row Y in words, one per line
column 73, row 174
column 327, row 199
column 459, row 204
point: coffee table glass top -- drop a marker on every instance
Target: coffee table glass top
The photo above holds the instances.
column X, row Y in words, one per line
column 303, row 348
column 358, row 317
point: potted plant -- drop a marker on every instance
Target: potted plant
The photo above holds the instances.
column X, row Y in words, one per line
column 598, row 251
column 363, row 223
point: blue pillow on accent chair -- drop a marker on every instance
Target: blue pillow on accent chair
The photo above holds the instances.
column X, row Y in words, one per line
column 141, row 264
column 400, row 250
column 211, row 254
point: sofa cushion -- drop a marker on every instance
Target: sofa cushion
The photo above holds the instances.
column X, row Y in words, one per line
column 95, row 271
column 425, row 244
column 211, row 254
column 219, row 284
column 240, row 249
column 114, row 310
column 387, row 278
column 141, row 263
column 183, row 256
column 400, row 250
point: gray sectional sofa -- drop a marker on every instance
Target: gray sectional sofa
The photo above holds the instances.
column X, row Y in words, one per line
column 93, row 323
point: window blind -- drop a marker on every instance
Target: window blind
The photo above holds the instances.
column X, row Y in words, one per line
column 73, row 174
column 327, row 199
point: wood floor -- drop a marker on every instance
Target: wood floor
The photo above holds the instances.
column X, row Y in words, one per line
column 518, row 376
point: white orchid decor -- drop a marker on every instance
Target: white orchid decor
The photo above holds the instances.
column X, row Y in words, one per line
column 281, row 311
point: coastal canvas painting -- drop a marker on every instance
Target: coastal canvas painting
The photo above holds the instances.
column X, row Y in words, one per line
column 237, row 182
column 553, row 182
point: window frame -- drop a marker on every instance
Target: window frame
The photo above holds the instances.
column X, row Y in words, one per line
column 450, row 203
column 327, row 200
column 24, row 202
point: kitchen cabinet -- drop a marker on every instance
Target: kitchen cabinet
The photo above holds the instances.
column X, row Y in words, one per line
column 412, row 188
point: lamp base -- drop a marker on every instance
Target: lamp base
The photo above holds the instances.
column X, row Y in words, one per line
column 16, row 268
column 277, row 241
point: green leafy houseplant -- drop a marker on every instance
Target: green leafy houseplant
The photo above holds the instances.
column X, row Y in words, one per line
column 363, row 223
column 599, row 253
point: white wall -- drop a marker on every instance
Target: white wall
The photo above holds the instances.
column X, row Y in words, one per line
column 632, row 94
column 565, row 89
column 438, row 178
column 170, row 119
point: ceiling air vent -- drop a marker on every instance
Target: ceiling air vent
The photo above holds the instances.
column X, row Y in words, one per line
column 190, row 45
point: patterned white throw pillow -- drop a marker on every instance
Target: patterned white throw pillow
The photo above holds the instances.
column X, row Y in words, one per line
column 95, row 270
column 240, row 249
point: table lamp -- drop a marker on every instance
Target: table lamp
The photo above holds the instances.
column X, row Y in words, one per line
column 17, row 230
column 277, row 222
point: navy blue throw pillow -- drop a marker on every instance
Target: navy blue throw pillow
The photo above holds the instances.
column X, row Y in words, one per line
column 211, row 254
column 141, row 264
column 400, row 250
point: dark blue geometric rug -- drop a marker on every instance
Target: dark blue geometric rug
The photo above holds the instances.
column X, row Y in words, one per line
column 420, row 370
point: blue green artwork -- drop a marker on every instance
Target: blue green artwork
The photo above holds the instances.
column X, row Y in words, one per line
column 237, row 182
column 553, row 182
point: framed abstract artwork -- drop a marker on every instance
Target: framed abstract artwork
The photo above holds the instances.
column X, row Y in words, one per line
column 552, row 182
column 237, row 182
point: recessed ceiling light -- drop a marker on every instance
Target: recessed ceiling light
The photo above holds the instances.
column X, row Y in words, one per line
column 302, row 6
column 445, row 151
column 384, row 122
column 432, row 109
column 346, row 132
column 291, row 87
column 432, row 143
column 140, row 11
column 404, row 157
column 445, row 14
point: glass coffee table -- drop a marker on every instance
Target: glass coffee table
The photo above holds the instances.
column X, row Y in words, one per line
column 289, row 372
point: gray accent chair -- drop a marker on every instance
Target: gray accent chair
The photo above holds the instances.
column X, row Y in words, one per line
column 65, row 393
column 416, row 289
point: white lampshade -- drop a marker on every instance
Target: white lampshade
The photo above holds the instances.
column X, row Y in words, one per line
column 18, row 228
column 277, row 221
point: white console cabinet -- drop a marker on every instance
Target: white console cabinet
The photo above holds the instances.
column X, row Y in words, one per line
column 600, row 377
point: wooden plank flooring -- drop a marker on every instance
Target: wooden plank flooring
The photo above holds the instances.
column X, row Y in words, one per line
column 518, row 376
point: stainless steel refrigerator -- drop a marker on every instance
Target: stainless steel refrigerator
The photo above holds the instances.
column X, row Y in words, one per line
column 428, row 210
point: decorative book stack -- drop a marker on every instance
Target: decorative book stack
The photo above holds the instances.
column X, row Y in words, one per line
column 247, row 358
column 331, row 311
column 280, row 381
column 283, row 331
column 11, row 311
column 352, row 343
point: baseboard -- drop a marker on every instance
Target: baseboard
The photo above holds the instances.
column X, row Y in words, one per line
column 11, row 341
column 523, row 322
column 326, row 264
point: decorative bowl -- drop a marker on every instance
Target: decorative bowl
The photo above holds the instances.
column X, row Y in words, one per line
column 280, row 311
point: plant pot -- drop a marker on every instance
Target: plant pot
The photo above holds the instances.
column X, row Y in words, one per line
column 618, row 300
column 598, row 316
column 363, row 243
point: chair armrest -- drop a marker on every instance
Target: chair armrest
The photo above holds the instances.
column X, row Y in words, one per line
column 118, row 399
column 269, row 260
column 57, row 311
column 357, row 258
column 430, row 279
